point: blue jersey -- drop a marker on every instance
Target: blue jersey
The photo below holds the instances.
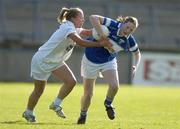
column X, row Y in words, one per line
column 100, row 55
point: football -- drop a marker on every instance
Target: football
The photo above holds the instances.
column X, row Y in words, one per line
column 96, row 35
column 116, row 47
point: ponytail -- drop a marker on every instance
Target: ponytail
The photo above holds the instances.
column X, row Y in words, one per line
column 62, row 15
column 67, row 14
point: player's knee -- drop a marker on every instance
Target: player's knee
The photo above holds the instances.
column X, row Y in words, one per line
column 71, row 82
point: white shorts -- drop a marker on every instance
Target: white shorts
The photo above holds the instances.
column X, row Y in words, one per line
column 91, row 70
column 41, row 70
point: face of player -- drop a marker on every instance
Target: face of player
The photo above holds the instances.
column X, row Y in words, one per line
column 78, row 20
column 127, row 29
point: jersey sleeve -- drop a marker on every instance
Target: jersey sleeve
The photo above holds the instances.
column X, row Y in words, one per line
column 133, row 46
column 110, row 23
column 69, row 30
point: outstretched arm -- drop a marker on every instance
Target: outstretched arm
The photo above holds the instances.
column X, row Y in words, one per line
column 82, row 42
column 86, row 33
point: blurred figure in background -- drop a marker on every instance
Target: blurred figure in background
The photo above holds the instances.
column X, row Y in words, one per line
column 51, row 56
column 100, row 60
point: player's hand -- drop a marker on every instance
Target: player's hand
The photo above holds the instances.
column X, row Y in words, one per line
column 104, row 41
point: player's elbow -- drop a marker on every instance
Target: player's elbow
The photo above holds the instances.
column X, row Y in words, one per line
column 139, row 54
column 93, row 17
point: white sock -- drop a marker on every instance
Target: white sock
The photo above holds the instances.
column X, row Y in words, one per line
column 57, row 101
column 29, row 111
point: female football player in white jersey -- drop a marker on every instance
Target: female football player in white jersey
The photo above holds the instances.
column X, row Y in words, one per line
column 50, row 57
column 100, row 60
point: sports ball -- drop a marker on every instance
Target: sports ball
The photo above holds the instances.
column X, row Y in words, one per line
column 116, row 46
column 96, row 35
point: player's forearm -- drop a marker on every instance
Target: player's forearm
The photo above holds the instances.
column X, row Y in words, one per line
column 137, row 58
column 86, row 43
column 86, row 32
column 82, row 42
column 96, row 23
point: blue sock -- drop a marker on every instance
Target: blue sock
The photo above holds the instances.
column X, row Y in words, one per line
column 30, row 112
column 107, row 102
column 83, row 113
column 57, row 101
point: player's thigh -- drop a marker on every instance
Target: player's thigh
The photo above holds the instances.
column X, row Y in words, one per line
column 64, row 73
column 89, row 70
column 88, row 85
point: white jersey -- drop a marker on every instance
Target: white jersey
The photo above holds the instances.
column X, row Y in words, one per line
column 59, row 47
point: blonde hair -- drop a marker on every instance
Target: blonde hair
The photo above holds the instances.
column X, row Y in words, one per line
column 67, row 14
column 128, row 19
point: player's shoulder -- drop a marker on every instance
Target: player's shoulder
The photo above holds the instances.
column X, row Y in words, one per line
column 131, row 38
column 67, row 25
column 110, row 22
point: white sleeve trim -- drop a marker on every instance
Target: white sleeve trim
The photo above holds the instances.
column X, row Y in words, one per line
column 108, row 22
column 133, row 48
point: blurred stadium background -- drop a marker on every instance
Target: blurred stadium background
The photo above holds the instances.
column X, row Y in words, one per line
column 27, row 24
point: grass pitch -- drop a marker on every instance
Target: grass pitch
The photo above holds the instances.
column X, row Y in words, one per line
column 136, row 108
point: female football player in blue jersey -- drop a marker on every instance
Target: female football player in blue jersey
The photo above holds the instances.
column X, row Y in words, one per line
column 100, row 60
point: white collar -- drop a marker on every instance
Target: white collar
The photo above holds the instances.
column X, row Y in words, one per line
column 119, row 28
